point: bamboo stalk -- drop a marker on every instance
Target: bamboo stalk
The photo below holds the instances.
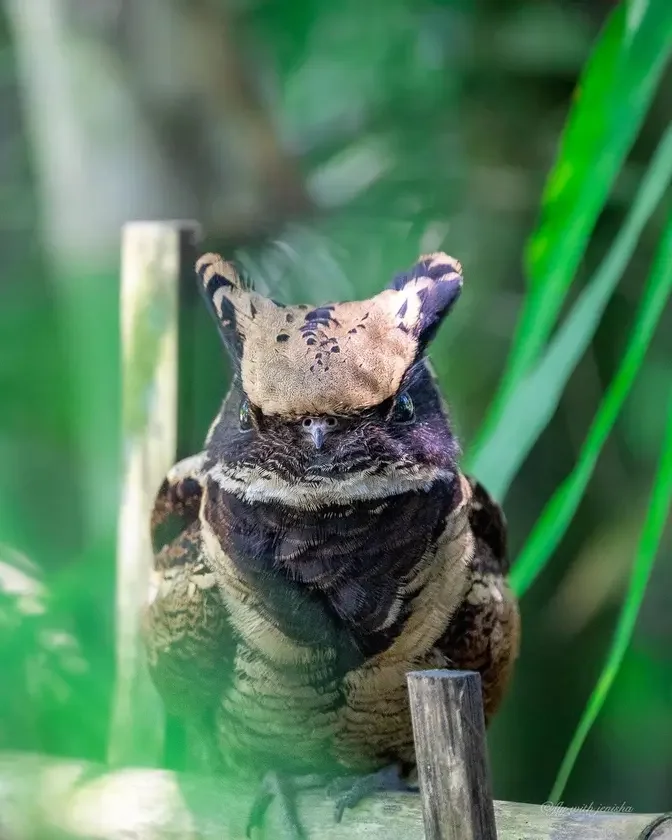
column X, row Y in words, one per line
column 153, row 256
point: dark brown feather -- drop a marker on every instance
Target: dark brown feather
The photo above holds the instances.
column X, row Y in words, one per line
column 484, row 635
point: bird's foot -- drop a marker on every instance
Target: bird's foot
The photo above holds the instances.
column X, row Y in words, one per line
column 284, row 788
column 349, row 791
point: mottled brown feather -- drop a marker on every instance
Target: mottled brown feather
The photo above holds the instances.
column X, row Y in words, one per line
column 187, row 633
column 287, row 608
column 484, row 635
column 210, row 646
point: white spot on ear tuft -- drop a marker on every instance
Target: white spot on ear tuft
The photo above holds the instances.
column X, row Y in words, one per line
column 217, row 299
column 439, row 258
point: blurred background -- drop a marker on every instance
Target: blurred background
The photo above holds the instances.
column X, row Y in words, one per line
column 324, row 145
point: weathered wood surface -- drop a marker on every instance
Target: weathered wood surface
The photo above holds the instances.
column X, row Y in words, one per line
column 42, row 798
column 450, row 743
column 153, row 259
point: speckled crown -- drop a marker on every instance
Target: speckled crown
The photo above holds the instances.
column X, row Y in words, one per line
column 333, row 359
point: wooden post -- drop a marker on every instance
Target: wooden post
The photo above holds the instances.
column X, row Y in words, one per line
column 154, row 256
column 449, row 732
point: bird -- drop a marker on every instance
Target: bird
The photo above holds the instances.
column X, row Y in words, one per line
column 324, row 543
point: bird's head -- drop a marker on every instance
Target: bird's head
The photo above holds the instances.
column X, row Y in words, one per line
column 331, row 403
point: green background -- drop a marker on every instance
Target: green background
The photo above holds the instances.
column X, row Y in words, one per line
column 325, row 145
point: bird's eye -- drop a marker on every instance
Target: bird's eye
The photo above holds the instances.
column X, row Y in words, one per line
column 403, row 411
column 245, row 415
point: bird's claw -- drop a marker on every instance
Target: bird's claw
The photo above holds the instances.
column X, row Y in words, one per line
column 349, row 791
column 285, row 788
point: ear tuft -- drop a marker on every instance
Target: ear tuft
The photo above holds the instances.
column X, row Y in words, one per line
column 217, row 274
column 221, row 284
column 434, row 282
column 437, row 266
column 225, row 292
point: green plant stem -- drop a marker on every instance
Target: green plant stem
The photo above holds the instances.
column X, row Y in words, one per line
column 535, row 397
column 553, row 522
column 611, row 101
column 657, row 516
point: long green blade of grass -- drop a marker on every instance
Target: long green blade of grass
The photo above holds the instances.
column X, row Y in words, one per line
column 535, row 397
column 657, row 515
column 553, row 522
column 611, row 101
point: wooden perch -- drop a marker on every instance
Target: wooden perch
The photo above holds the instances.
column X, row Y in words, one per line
column 42, row 797
column 449, row 734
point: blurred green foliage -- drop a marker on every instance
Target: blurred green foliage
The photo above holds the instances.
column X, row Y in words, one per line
column 342, row 141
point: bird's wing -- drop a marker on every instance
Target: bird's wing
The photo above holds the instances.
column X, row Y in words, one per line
column 187, row 633
column 484, row 634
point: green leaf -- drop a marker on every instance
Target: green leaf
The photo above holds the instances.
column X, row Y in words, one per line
column 652, row 532
column 552, row 524
column 611, row 101
column 535, row 397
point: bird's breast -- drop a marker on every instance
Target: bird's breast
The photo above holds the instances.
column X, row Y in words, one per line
column 330, row 609
column 341, row 575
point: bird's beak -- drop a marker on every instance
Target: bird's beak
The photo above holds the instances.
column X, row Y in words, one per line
column 317, row 434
